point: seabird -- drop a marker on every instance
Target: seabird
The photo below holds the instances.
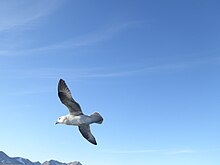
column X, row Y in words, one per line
column 76, row 116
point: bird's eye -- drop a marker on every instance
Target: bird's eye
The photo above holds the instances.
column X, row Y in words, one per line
column 59, row 118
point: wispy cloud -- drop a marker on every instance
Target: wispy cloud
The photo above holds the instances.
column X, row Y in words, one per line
column 146, row 70
column 103, row 72
column 21, row 13
column 106, row 33
column 162, row 151
column 130, row 151
column 184, row 151
column 17, row 19
column 30, row 91
column 154, row 151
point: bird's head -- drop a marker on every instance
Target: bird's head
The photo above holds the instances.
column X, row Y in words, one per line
column 61, row 120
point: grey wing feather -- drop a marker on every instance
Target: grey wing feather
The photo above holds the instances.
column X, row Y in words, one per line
column 66, row 98
column 86, row 133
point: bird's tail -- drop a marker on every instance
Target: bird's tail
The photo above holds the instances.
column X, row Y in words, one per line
column 97, row 118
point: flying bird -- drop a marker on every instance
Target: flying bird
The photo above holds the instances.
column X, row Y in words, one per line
column 76, row 116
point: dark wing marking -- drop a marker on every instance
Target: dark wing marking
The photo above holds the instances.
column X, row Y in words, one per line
column 66, row 98
column 86, row 133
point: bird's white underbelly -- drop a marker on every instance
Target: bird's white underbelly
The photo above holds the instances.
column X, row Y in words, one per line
column 78, row 120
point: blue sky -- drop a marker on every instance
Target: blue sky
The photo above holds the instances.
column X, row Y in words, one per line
column 151, row 68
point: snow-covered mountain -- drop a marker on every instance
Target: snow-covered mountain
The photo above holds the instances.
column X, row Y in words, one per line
column 6, row 160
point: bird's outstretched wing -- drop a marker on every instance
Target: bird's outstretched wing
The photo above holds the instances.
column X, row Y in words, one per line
column 66, row 98
column 86, row 133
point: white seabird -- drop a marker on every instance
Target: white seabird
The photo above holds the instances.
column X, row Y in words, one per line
column 76, row 116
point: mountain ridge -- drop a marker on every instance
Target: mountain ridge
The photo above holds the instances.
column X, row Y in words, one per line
column 6, row 160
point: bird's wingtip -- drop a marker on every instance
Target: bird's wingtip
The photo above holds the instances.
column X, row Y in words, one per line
column 61, row 80
column 94, row 142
